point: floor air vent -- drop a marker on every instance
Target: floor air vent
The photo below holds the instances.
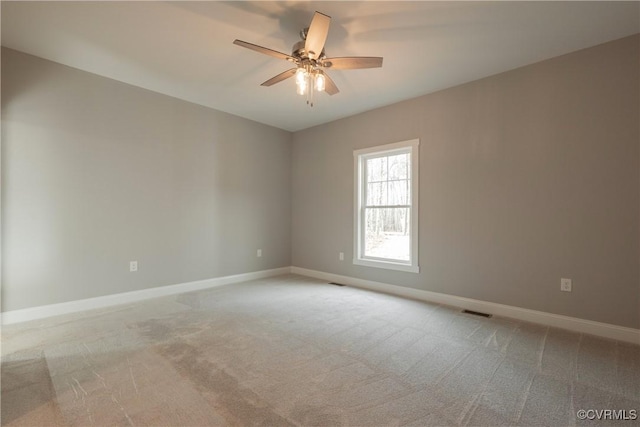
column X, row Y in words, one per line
column 337, row 284
column 476, row 313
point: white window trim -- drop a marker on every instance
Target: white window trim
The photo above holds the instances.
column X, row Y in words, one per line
column 358, row 253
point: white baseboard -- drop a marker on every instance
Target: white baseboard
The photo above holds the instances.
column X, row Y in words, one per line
column 549, row 319
column 34, row 313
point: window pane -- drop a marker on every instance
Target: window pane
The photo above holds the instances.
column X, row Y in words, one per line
column 387, row 233
column 377, row 169
column 398, row 166
column 398, row 193
column 377, row 194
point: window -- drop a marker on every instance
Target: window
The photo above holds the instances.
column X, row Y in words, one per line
column 386, row 206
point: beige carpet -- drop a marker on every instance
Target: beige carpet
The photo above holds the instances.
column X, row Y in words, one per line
column 297, row 351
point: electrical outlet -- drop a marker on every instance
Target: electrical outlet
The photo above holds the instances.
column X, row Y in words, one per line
column 565, row 285
column 133, row 266
column 259, row 253
column 341, row 256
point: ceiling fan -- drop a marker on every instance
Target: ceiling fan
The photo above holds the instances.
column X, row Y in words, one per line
column 311, row 61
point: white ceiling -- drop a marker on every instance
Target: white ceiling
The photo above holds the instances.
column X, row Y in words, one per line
column 184, row 49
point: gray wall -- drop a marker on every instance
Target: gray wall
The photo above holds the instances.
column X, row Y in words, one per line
column 96, row 173
column 525, row 177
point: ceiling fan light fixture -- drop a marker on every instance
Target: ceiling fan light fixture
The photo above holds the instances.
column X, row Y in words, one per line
column 301, row 87
column 320, row 81
column 301, row 76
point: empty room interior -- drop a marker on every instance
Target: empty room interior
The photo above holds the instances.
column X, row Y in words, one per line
column 320, row 213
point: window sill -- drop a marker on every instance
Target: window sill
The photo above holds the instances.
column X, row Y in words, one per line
column 387, row 265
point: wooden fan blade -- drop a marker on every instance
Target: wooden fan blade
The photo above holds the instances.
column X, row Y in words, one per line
column 280, row 77
column 329, row 86
column 352, row 63
column 264, row 50
column 317, row 35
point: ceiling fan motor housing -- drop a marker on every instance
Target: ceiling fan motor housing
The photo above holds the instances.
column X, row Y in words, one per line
column 298, row 51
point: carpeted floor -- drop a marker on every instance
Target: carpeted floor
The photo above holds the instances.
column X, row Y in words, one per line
column 297, row 351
